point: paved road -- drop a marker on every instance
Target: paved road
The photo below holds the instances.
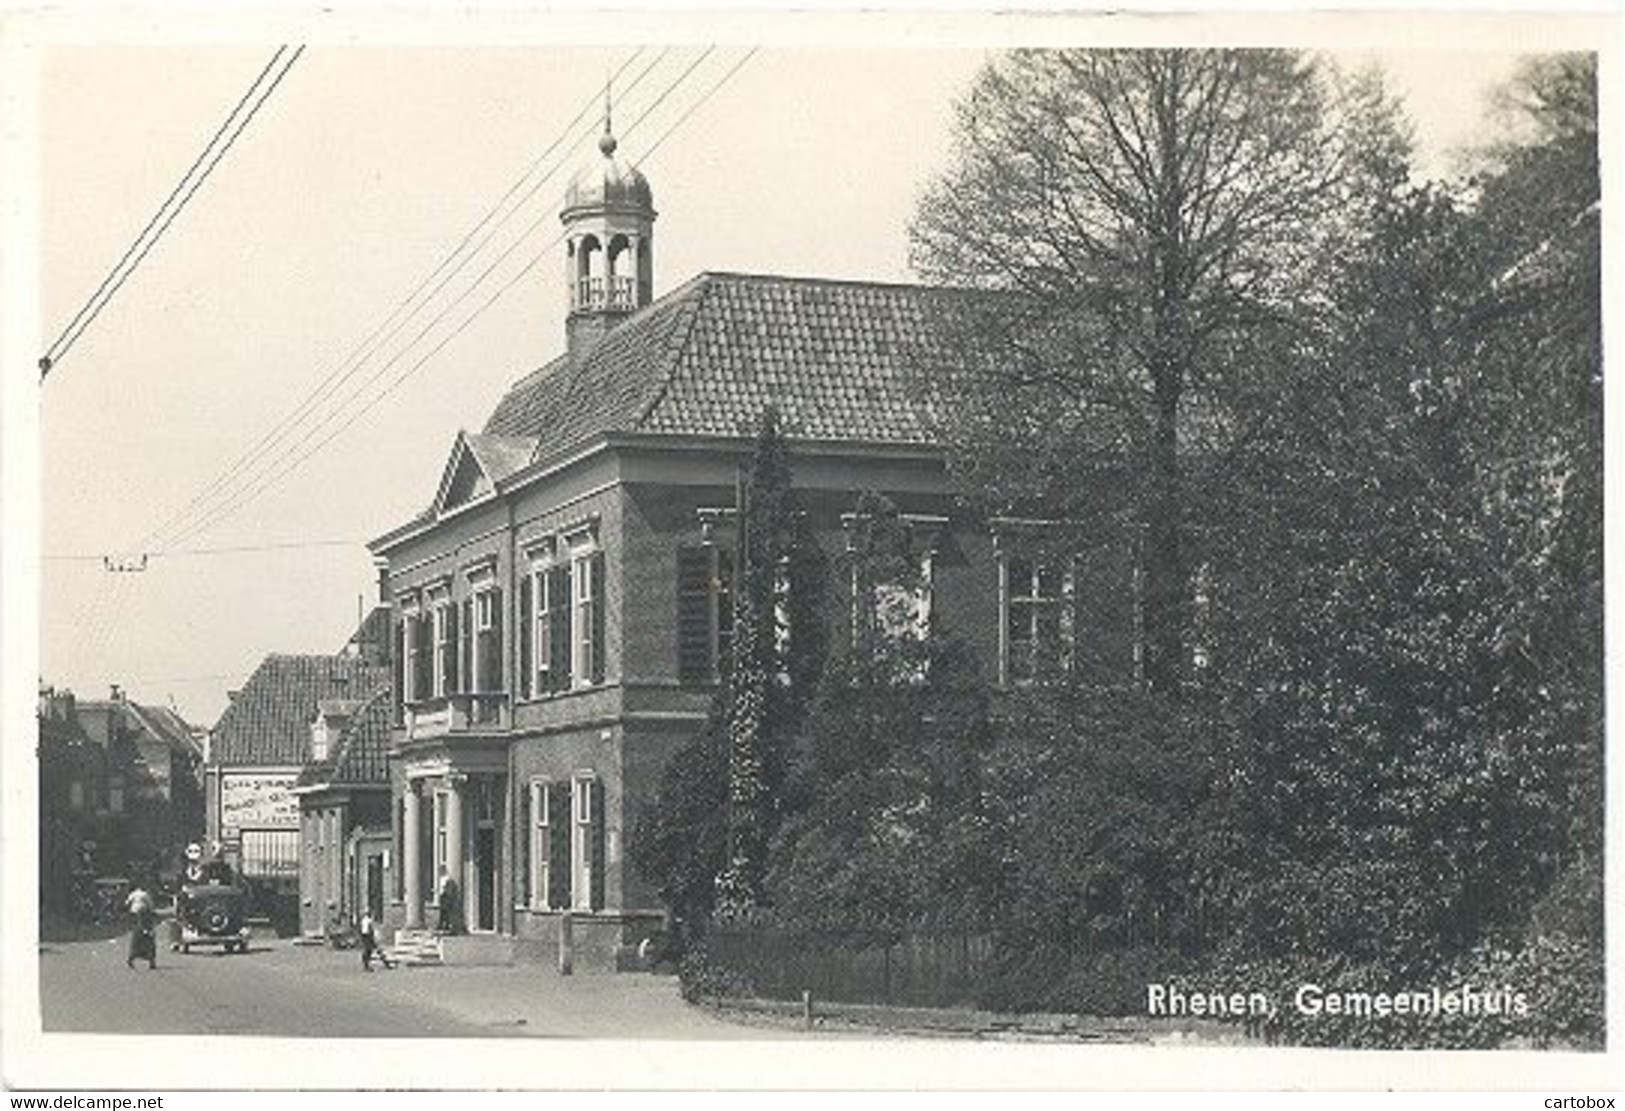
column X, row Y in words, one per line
column 282, row 990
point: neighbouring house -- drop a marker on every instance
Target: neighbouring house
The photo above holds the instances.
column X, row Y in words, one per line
column 343, row 793
column 120, row 792
column 257, row 751
column 561, row 607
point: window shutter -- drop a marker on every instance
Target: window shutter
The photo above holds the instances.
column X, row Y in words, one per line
column 526, row 671
column 558, row 592
column 693, row 615
column 397, row 663
column 559, row 836
column 722, row 654
column 598, row 621
column 544, row 636
column 465, row 645
column 422, row 671
column 452, row 670
column 596, row 851
column 526, row 835
column 496, row 642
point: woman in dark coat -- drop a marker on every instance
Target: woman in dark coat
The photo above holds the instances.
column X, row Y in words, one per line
column 143, row 943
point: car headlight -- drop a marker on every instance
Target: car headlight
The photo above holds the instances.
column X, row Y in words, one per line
column 243, row 931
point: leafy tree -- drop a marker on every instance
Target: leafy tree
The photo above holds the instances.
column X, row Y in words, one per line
column 1165, row 216
column 760, row 699
column 704, row 842
column 887, row 820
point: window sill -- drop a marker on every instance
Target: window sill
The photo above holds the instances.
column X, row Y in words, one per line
column 558, row 696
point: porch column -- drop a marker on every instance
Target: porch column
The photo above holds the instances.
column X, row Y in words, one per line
column 409, row 856
column 455, row 785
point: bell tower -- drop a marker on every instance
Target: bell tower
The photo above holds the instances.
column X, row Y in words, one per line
column 609, row 220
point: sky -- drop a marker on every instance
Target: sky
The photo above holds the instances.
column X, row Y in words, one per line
column 361, row 173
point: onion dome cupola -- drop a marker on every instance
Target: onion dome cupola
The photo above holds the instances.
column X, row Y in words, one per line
column 609, row 220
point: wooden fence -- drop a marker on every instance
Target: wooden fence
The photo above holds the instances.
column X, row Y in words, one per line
column 916, row 970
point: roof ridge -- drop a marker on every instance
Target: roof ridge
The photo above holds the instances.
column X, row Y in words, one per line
column 853, row 283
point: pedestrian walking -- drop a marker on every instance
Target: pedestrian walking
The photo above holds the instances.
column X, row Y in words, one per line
column 143, row 945
column 446, row 901
column 369, row 943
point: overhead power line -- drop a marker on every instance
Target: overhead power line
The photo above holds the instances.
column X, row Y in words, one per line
column 294, row 462
column 180, row 523
column 141, row 557
column 226, row 135
column 273, row 473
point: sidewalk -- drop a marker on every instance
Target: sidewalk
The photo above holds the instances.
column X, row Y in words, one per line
column 533, row 1000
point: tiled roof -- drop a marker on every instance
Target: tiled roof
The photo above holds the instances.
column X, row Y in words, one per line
column 360, row 756
column 839, row 360
column 165, row 723
column 268, row 723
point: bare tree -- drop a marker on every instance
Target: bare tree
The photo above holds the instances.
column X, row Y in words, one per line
column 1162, row 217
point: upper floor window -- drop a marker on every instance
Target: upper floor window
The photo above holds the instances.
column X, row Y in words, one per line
column 443, row 621
column 1035, row 602
column 892, row 557
column 562, row 610
column 115, row 794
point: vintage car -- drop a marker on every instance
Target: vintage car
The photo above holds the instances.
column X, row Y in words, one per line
column 212, row 914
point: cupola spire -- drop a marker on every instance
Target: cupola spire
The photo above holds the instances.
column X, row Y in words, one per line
column 609, row 239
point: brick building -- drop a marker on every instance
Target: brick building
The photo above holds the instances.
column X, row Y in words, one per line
column 343, row 795
column 257, row 752
column 561, row 606
column 120, row 791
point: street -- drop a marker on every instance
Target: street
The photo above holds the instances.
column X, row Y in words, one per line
column 278, row 989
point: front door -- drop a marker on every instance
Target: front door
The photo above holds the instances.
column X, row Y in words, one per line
column 485, row 869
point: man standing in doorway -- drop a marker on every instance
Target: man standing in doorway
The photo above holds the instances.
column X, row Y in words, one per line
column 446, row 901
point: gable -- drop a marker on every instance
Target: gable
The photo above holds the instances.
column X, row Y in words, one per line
column 466, row 482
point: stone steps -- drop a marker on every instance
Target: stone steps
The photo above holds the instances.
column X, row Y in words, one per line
column 419, row 948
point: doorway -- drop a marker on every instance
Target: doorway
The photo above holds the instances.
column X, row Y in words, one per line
column 485, row 870
column 375, row 886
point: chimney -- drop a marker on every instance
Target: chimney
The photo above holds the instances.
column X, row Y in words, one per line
column 117, row 693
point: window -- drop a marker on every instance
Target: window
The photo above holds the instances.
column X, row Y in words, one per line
column 442, row 846
column 587, row 856
column 487, row 640
column 270, row 852
column 115, row 794
column 419, row 663
column 588, row 574
column 76, row 795
column 902, row 610
column 445, row 662
column 1036, row 599
column 541, row 845
column 704, row 612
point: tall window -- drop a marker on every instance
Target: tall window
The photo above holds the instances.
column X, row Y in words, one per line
column 444, row 616
column 488, row 640
column 442, row 846
column 115, row 794
column 1036, row 599
column 587, row 837
column 541, row 845
column 420, row 663
column 587, row 571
